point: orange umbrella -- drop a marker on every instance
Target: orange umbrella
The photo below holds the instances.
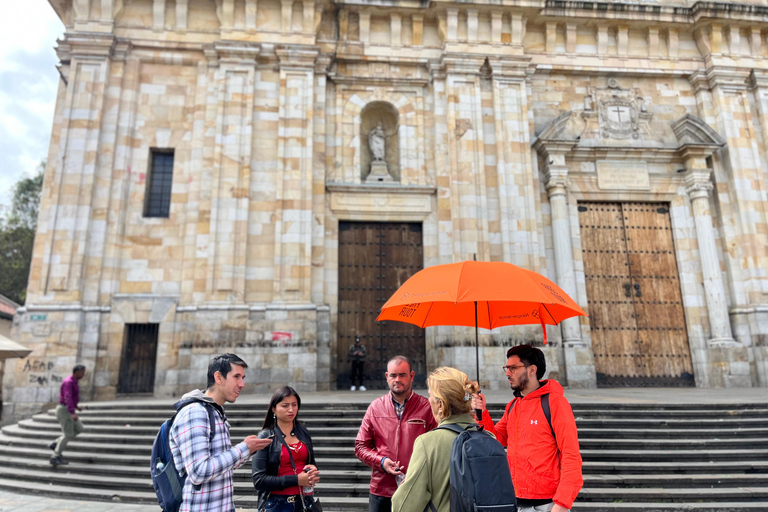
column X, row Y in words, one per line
column 485, row 294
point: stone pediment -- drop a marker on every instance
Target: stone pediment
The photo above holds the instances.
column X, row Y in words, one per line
column 692, row 130
column 578, row 131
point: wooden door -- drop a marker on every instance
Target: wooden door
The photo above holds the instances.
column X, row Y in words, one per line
column 634, row 300
column 137, row 372
column 374, row 260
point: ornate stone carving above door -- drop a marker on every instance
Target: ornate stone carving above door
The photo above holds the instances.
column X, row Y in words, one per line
column 615, row 113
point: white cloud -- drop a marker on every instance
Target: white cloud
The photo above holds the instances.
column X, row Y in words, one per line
column 28, row 84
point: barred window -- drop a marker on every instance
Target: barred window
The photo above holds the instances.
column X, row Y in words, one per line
column 157, row 202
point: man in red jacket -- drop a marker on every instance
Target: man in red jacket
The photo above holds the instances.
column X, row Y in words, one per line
column 390, row 426
column 543, row 458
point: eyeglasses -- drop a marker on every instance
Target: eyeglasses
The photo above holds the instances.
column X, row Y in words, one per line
column 512, row 368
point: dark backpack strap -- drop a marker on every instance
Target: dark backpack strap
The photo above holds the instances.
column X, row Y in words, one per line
column 453, row 428
column 211, row 420
column 510, row 405
column 430, row 507
column 548, row 413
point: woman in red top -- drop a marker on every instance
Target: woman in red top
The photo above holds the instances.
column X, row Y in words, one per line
column 278, row 482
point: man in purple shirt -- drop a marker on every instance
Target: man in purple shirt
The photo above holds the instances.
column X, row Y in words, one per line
column 66, row 413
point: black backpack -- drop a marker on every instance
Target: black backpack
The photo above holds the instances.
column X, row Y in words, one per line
column 168, row 483
column 480, row 477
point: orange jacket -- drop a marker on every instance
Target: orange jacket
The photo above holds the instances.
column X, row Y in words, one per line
column 541, row 468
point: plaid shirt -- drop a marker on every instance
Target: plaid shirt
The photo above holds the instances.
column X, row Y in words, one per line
column 207, row 464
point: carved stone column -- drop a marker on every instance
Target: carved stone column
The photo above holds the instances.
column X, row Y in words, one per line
column 698, row 185
column 556, row 174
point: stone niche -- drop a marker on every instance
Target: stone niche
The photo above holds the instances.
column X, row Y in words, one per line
column 372, row 114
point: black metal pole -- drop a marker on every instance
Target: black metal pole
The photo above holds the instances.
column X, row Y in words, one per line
column 477, row 349
column 478, row 412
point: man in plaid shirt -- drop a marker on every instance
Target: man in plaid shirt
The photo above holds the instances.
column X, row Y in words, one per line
column 209, row 464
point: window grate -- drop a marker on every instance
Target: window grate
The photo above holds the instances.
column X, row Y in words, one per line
column 159, row 184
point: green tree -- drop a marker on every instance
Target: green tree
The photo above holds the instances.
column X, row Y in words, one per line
column 17, row 236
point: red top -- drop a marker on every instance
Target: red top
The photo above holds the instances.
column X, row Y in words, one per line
column 300, row 458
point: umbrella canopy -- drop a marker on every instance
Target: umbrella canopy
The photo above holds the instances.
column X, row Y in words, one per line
column 485, row 294
column 9, row 348
column 505, row 295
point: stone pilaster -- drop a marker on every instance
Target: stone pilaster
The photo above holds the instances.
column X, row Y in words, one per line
column 72, row 189
column 556, row 182
column 466, row 159
column 517, row 188
column 231, row 172
column 698, row 186
column 293, row 217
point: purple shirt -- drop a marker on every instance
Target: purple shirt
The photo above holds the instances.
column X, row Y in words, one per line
column 70, row 394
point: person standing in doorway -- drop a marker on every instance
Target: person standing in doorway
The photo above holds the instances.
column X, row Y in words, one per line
column 66, row 413
column 357, row 355
column 390, row 426
column 539, row 432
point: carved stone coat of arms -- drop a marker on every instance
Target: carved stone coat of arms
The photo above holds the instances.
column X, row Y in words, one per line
column 621, row 112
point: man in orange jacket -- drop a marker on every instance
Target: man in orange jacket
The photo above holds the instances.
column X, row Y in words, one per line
column 539, row 432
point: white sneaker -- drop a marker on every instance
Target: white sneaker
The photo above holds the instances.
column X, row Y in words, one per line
column 362, row 388
column 354, row 388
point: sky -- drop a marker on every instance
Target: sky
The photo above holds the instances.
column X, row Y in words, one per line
column 28, row 84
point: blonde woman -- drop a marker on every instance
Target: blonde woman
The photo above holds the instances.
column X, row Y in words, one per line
column 428, row 476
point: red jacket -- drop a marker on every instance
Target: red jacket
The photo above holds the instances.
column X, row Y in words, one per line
column 541, row 468
column 383, row 435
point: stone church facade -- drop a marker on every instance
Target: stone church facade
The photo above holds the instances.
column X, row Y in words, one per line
column 215, row 182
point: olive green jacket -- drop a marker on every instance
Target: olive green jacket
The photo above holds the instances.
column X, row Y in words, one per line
column 428, row 476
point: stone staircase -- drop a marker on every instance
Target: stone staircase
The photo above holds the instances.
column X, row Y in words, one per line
column 648, row 458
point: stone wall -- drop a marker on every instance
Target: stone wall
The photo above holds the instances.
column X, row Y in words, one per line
column 498, row 138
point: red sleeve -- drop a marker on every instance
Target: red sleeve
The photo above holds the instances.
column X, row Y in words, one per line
column 564, row 425
column 501, row 426
column 365, row 443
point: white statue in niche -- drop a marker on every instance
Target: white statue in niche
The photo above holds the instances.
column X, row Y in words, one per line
column 376, row 143
column 377, row 146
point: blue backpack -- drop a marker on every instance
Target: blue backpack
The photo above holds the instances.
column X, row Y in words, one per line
column 480, row 477
column 168, row 483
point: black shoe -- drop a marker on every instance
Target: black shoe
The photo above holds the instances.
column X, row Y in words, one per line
column 52, row 446
column 58, row 461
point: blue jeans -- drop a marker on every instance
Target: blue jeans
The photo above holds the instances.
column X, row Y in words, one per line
column 278, row 503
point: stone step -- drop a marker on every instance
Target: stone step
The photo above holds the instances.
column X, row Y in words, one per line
column 9, row 447
column 136, row 476
column 669, row 507
column 355, row 403
column 160, row 414
column 687, row 495
column 338, row 504
column 39, row 451
column 636, row 456
column 688, row 452
column 672, row 455
column 667, row 422
column 62, row 476
column 117, row 432
column 122, row 441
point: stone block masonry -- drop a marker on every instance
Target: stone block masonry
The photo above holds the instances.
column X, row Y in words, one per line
column 501, row 121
